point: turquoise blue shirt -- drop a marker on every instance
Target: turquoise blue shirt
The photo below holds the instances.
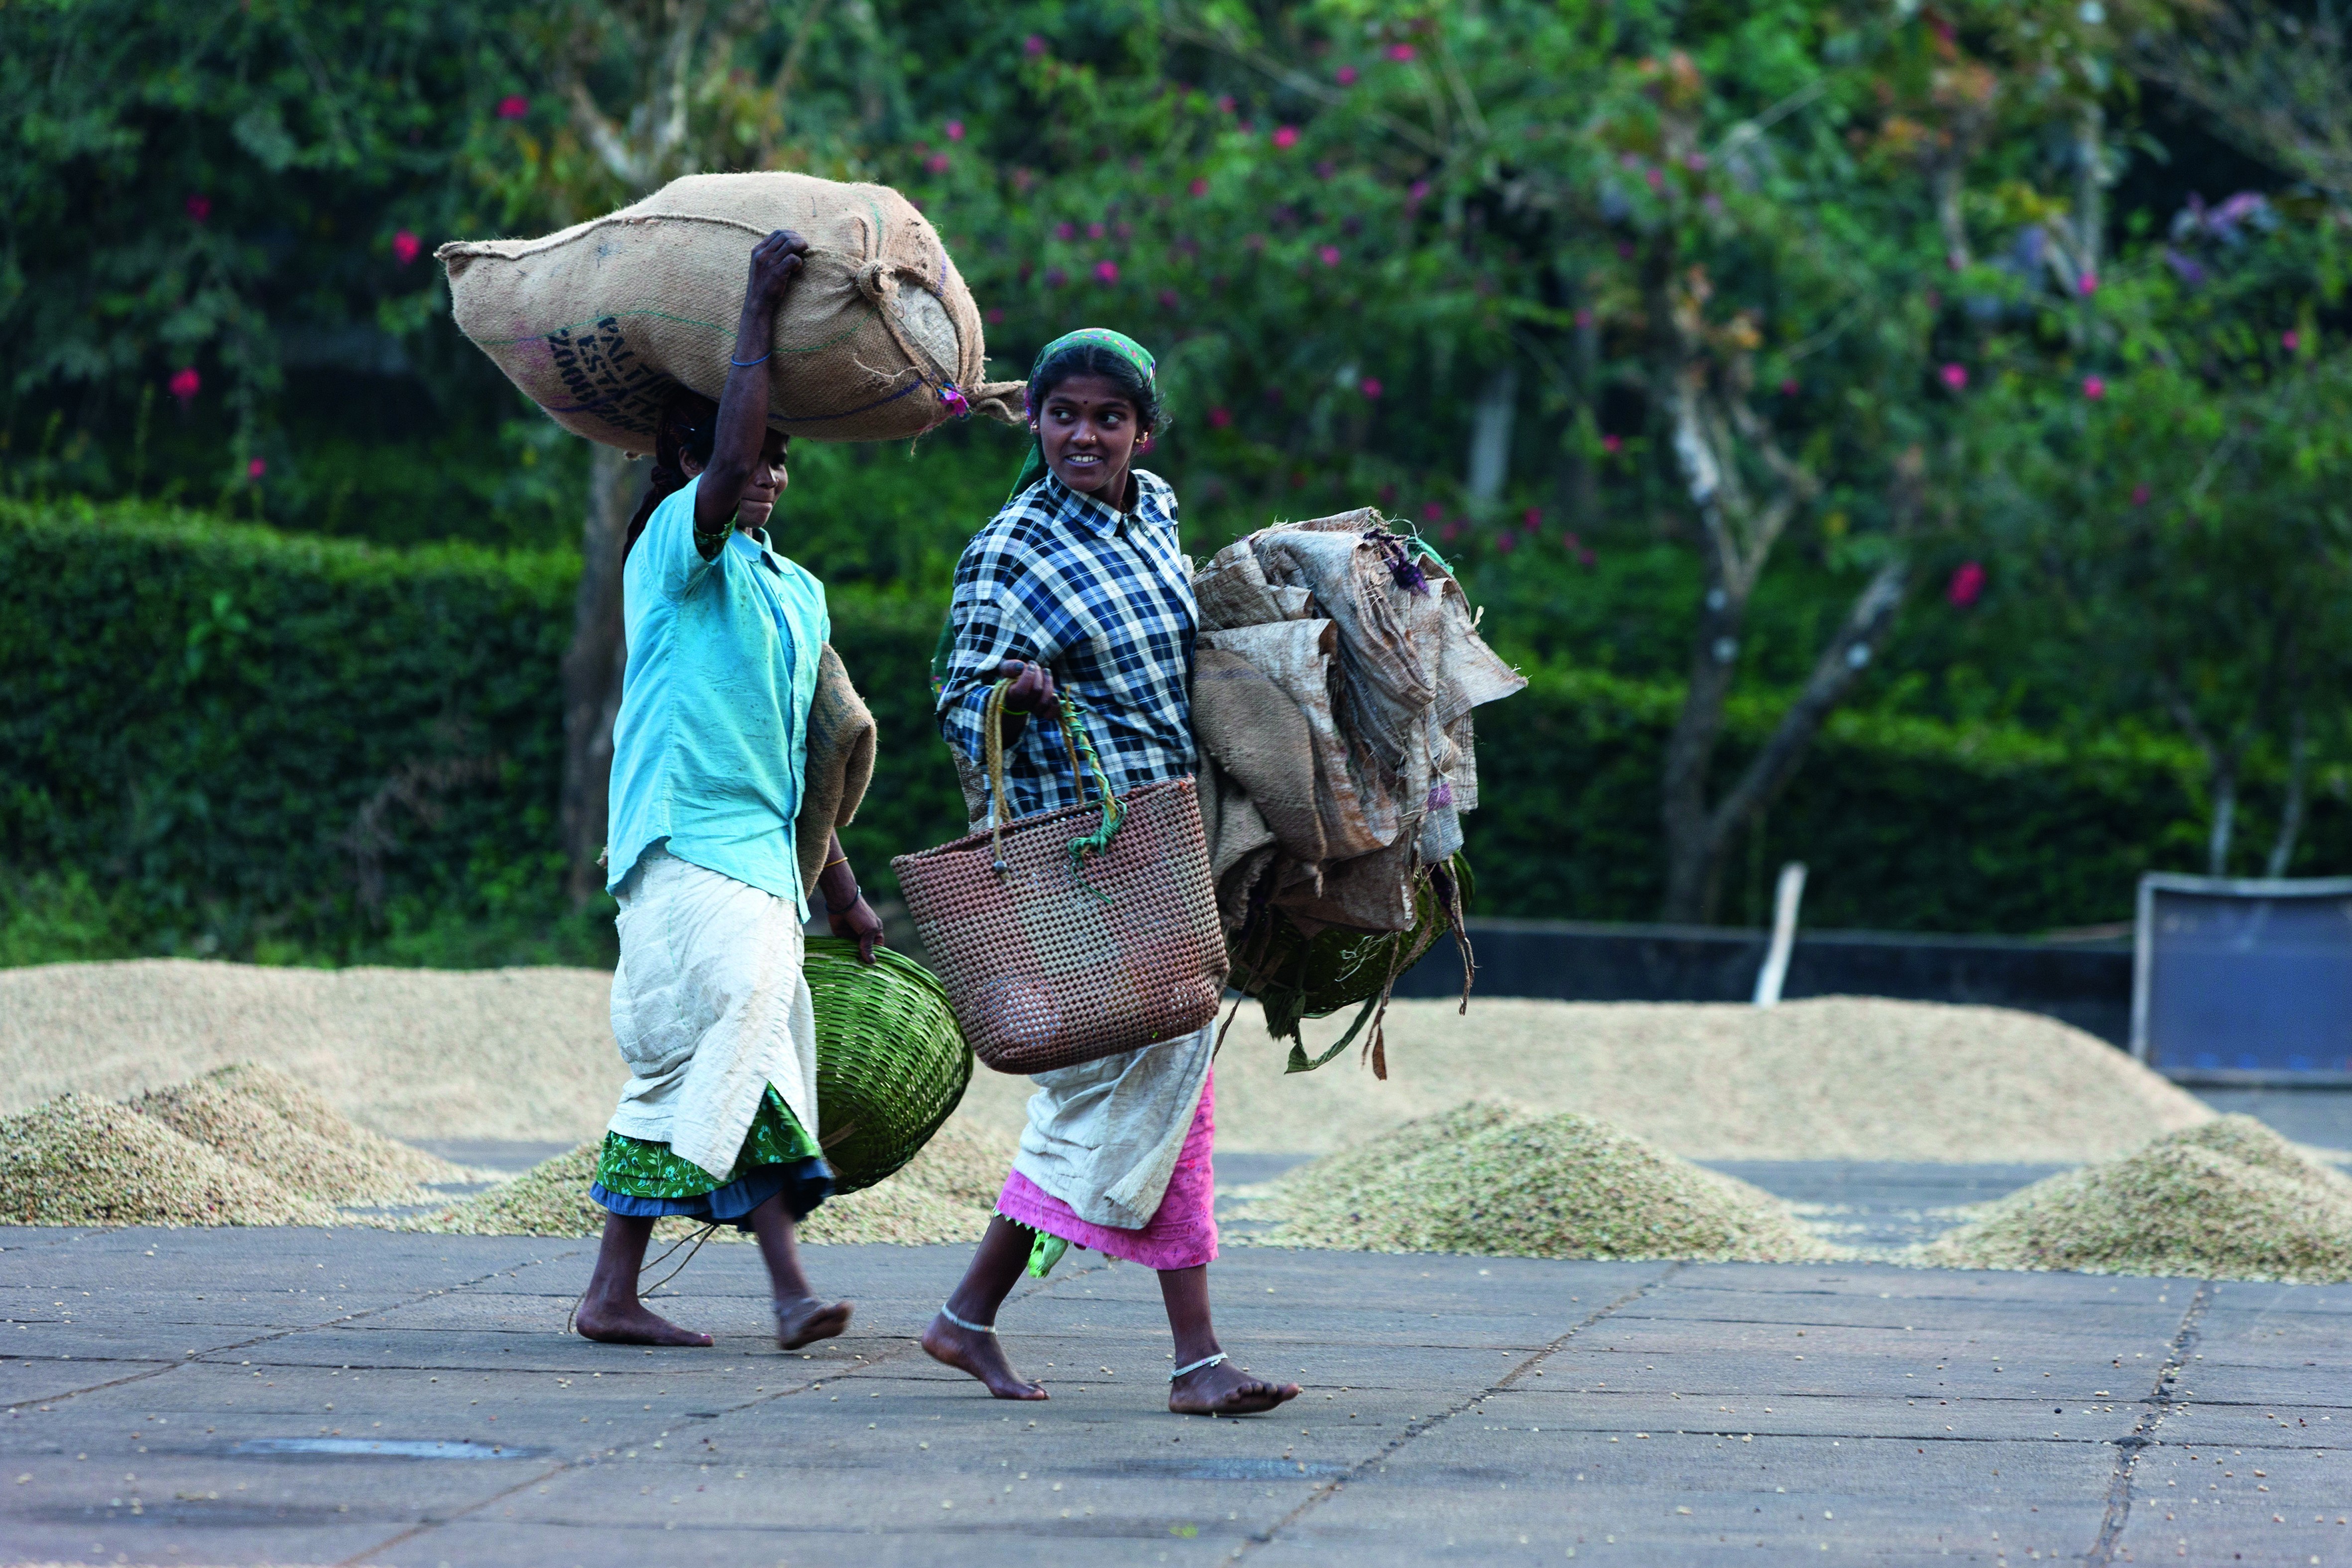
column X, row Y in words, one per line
column 711, row 742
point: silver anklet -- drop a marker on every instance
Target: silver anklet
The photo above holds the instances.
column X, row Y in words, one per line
column 1208, row 1361
column 965, row 1323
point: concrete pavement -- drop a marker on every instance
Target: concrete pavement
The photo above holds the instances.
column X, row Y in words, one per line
column 168, row 1393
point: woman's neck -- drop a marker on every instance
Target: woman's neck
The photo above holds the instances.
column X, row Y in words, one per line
column 1119, row 494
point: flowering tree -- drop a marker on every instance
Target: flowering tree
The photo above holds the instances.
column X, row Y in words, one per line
column 1712, row 254
column 2170, row 487
column 201, row 197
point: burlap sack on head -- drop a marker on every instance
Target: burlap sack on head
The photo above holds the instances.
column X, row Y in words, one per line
column 878, row 339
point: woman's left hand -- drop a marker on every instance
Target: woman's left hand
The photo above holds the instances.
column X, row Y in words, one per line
column 857, row 923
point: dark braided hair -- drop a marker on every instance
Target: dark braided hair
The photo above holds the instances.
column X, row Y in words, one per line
column 688, row 428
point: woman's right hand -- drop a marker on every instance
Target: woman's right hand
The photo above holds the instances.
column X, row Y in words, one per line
column 1033, row 687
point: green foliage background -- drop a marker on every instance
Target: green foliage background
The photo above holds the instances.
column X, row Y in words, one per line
column 1335, row 220
column 265, row 746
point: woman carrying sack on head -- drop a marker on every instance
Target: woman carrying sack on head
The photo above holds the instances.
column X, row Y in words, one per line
column 1078, row 587
column 719, row 1120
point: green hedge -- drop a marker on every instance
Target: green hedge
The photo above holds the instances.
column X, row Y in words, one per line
column 1905, row 824
column 216, row 738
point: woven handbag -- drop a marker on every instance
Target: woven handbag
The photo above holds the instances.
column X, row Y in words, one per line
column 890, row 1064
column 1066, row 935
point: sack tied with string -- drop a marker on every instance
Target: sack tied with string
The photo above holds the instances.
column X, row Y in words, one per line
column 876, row 338
column 1071, row 934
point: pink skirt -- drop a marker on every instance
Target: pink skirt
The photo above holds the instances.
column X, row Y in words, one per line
column 1183, row 1233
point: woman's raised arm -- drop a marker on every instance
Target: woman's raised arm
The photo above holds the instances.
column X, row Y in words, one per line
column 743, row 405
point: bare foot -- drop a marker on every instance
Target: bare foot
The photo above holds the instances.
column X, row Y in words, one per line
column 805, row 1320
column 1225, row 1389
column 630, row 1324
column 979, row 1354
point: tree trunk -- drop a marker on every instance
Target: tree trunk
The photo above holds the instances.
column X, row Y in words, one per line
column 1694, row 847
column 2221, row 769
column 2298, row 766
column 1490, row 436
column 592, row 673
column 2225, row 819
column 1697, row 836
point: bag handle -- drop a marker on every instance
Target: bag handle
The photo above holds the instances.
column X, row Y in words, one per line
column 1080, row 747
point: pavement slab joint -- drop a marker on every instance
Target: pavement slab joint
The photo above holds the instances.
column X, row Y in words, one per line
column 1415, row 1429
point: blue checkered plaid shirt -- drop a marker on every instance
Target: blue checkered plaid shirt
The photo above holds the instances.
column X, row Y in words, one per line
column 1101, row 598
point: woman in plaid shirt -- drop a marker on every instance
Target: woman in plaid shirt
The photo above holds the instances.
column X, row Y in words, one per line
column 1079, row 585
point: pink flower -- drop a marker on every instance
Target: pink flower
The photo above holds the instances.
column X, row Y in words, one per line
column 1328, row 254
column 1225, row 104
column 1420, row 191
column 1507, row 542
column 1400, row 52
column 2088, row 285
column 2290, row 341
column 1695, row 162
column 1788, row 387
column 1955, row 376
column 1613, row 443
column 1656, row 178
column 996, row 318
column 1371, row 387
column 2094, row 388
column 937, row 162
column 1584, row 558
column 2139, row 495
column 1168, row 299
column 255, row 469
column 514, row 106
column 1220, row 417
column 1106, row 272
column 1433, row 513
column 1033, row 46
column 1065, row 231
column 955, row 130
column 1967, row 585
column 1584, row 318
column 1449, row 533
column 405, row 247
column 184, row 384
column 1200, row 187
column 200, row 207
column 1285, row 136
column 1533, row 517
column 1347, row 77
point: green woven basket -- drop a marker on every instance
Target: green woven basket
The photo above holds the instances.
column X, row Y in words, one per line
column 1297, row 977
column 891, row 1062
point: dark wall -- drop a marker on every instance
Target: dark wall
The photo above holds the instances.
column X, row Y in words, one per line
column 2085, row 985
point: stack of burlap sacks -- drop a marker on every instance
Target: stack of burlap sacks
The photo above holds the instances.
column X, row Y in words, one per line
column 1337, row 668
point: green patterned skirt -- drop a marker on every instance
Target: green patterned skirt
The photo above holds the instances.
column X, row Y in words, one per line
column 778, row 1158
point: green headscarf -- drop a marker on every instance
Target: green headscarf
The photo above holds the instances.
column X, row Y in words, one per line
column 1033, row 465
